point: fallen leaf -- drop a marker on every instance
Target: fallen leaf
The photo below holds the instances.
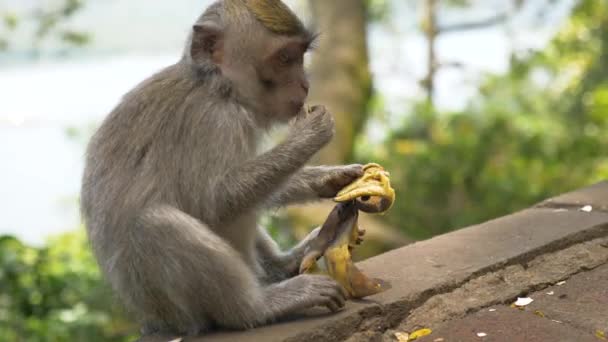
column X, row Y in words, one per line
column 523, row 301
column 539, row 313
column 550, row 293
column 556, row 321
column 402, row 337
column 492, row 310
column 419, row 333
column 481, row 334
column 559, row 210
column 587, row 208
column 600, row 334
column 561, row 283
column 440, row 339
column 177, row 340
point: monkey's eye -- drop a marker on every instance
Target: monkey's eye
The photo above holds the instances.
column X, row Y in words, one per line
column 267, row 83
column 284, row 58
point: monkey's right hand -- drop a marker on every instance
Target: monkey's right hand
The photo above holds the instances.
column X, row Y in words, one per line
column 317, row 126
column 320, row 290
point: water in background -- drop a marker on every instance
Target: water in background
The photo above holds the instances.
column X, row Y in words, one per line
column 40, row 165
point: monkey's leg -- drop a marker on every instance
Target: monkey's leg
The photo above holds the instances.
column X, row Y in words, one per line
column 180, row 275
column 277, row 264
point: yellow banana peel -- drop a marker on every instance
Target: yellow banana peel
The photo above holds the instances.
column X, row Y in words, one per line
column 372, row 191
column 340, row 233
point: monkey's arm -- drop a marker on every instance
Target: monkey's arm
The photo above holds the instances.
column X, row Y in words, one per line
column 253, row 182
column 315, row 182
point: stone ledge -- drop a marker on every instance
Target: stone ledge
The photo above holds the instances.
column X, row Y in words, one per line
column 422, row 270
column 574, row 309
column 502, row 287
column 595, row 195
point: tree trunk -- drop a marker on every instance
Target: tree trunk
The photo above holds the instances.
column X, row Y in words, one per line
column 341, row 80
column 429, row 26
column 340, row 76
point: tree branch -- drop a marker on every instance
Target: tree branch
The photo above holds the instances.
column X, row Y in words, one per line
column 474, row 25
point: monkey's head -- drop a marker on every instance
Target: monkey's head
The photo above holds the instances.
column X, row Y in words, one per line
column 259, row 46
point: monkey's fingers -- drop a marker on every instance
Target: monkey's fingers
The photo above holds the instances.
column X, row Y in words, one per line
column 329, row 293
column 336, row 298
column 335, row 303
column 308, row 109
column 312, row 108
column 300, row 116
column 332, row 305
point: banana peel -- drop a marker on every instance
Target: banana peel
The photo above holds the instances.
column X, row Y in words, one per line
column 372, row 192
column 340, row 233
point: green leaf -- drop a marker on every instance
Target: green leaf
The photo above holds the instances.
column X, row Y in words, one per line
column 11, row 21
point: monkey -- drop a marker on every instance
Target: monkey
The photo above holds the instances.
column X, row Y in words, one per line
column 174, row 180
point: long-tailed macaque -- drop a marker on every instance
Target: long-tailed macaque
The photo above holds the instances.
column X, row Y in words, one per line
column 173, row 183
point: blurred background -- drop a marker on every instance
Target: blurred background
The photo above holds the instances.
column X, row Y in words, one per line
column 477, row 108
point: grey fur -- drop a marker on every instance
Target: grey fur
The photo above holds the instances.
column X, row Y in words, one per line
column 172, row 188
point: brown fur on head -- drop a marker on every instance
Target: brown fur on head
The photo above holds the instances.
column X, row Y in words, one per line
column 275, row 16
column 272, row 14
column 258, row 45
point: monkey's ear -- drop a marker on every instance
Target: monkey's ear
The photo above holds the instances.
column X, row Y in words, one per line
column 207, row 43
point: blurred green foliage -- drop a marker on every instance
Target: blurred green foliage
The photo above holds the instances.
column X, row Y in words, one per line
column 54, row 293
column 47, row 19
column 539, row 130
column 377, row 10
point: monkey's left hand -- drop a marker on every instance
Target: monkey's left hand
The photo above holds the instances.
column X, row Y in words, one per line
column 334, row 178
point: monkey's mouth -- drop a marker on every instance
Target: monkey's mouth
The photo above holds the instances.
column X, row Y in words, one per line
column 297, row 105
column 296, row 108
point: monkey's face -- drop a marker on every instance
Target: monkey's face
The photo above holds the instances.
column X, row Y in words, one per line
column 274, row 84
column 259, row 47
column 282, row 80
